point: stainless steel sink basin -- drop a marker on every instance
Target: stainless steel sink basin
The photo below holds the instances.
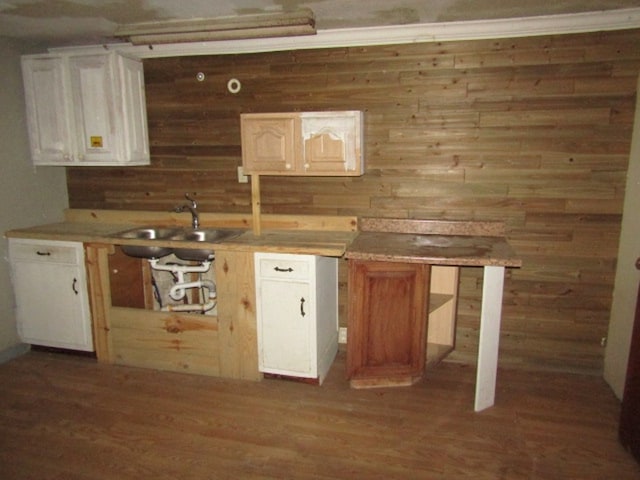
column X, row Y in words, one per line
column 148, row 233
column 211, row 235
column 169, row 240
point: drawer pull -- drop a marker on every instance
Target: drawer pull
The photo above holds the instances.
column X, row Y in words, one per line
column 43, row 254
column 302, row 307
column 278, row 269
column 73, row 286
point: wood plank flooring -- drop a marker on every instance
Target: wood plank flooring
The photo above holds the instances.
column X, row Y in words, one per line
column 68, row 417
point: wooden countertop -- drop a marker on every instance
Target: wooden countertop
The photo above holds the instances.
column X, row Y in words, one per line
column 434, row 242
column 327, row 243
column 457, row 250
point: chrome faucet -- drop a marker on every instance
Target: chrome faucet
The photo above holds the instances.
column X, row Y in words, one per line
column 193, row 208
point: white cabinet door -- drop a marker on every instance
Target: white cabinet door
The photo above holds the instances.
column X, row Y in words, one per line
column 49, row 282
column 48, row 113
column 94, row 108
column 134, row 111
column 286, row 327
column 297, row 314
column 86, row 109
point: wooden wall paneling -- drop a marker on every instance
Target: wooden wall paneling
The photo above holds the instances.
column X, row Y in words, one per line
column 534, row 132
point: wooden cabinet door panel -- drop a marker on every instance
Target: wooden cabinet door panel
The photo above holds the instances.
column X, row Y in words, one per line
column 48, row 114
column 387, row 320
column 332, row 143
column 269, row 144
column 93, row 100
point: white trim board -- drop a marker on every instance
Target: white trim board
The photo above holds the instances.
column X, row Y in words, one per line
column 606, row 20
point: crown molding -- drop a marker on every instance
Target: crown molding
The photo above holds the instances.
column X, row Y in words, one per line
column 605, row 20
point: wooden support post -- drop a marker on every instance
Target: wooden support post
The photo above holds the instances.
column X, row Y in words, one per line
column 255, row 203
column 100, row 298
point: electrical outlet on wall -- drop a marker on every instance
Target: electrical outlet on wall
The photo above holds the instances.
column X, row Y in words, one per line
column 242, row 178
column 342, row 335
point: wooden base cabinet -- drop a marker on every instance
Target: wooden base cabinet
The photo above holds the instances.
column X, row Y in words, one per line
column 297, row 314
column 388, row 305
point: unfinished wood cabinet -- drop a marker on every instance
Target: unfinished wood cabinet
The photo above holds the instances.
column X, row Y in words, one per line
column 302, row 143
column 387, row 312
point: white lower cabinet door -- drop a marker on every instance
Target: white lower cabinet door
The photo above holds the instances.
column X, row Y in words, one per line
column 49, row 282
column 297, row 314
column 286, row 327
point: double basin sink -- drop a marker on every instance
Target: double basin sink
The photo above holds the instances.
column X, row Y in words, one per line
column 176, row 240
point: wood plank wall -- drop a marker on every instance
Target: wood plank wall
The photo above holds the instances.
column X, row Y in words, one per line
column 534, row 132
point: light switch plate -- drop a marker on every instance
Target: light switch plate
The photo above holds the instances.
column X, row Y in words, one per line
column 242, row 178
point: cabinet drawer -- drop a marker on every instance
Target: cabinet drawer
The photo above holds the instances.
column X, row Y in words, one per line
column 45, row 251
column 284, row 266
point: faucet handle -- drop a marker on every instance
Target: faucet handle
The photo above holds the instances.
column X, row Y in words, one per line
column 193, row 202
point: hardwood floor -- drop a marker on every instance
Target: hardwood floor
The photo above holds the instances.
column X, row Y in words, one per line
column 67, row 417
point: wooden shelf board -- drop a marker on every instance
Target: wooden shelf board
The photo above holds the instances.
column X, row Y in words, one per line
column 436, row 300
column 436, row 352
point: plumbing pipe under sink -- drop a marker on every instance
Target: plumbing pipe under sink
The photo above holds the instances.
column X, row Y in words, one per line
column 179, row 290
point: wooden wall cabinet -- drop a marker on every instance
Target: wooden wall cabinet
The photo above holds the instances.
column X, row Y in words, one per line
column 303, row 143
column 297, row 314
column 50, row 287
column 401, row 317
column 86, row 109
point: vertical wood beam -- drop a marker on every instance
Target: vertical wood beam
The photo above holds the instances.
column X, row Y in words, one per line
column 255, row 204
column 97, row 262
column 237, row 328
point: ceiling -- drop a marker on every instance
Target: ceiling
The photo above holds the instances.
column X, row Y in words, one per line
column 76, row 22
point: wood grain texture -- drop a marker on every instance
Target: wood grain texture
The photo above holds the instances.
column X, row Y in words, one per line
column 387, row 328
column 179, row 342
column 533, row 132
column 237, row 327
column 73, row 418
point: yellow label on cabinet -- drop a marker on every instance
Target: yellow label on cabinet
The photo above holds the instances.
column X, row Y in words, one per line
column 96, row 142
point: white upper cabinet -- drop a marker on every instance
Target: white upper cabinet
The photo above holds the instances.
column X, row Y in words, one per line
column 86, row 109
column 303, row 143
